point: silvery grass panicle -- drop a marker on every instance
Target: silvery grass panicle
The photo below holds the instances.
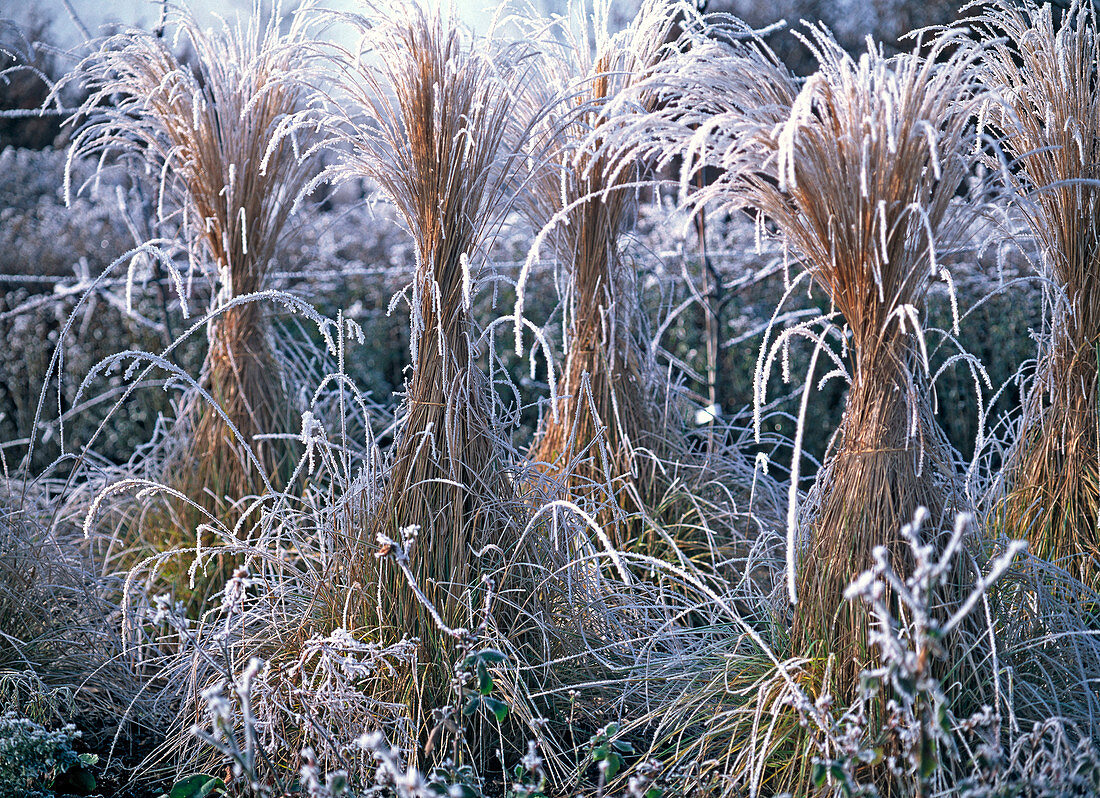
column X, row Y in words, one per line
column 858, row 171
column 862, row 179
column 205, row 129
column 706, row 105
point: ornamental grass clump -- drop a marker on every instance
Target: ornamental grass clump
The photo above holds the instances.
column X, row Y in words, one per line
column 1046, row 74
column 857, row 170
column 61, row 656
column 581, row 199
column 861, row 179
column 206, row 127
column 429, row 116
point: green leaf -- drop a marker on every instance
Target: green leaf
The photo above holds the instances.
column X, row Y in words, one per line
column 624, row 746
column 942, row 719
column 654, row 792
column 928, row 761
column 491, row 656
column 820, row 774
column 199, row 785
column 88, row 759
column 472, row 705
column 214, row 787
column 484, row 680
column 614, row 763
column 77, row 780
column 498, row 708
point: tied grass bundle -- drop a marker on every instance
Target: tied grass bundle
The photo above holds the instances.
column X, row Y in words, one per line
column 857, row 170
column 440, row 138
column 862, row 180
column 209, row 128
column 1047, row 76
column 581, row 199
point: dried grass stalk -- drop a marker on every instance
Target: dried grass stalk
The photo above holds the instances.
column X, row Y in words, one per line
column 858, row 170
column 581, row 199
column 866, row 170
column 61, row 657
column 207, row 125
column 440, row 138
column 1047, row 76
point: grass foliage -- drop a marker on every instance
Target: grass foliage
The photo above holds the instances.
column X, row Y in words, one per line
column 581, row 200
column 1046, row 114
column 423, row 596
column 433, row 124
column 207, row 128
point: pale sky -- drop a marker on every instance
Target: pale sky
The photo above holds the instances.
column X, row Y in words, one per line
column 145, row 13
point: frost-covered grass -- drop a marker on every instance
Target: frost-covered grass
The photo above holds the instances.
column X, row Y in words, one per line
column 1048, row 118
column 431, row 591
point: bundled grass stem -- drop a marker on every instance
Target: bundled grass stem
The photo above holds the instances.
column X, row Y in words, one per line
column 581, row 199
column 1047, row 113
column 860, row 178
column 877, row 471
column 857, row 169
column 440, row 138
column 207, row 129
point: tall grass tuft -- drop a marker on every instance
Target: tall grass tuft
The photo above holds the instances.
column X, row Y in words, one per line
column 206, row 127
column 1046, row 73
column 61, row 657
column 429, row 117
column 862, row 183
column 857, row 170
column 581, row 199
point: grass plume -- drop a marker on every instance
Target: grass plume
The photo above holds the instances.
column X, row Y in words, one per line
column 438, row 135
column 581, row 198
column 857, row 169
column 861, row 180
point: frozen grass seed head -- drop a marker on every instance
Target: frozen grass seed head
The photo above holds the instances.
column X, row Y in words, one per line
column 427, row 112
